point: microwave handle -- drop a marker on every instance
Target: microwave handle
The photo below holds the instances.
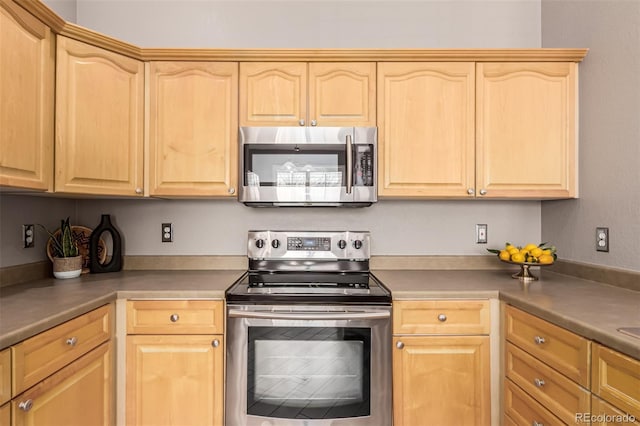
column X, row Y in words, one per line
column 349, row 148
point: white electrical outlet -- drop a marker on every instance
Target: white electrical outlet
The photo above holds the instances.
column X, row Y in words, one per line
column 28, row 236
column 481, row 233
column 602, row 239
column 167, row 232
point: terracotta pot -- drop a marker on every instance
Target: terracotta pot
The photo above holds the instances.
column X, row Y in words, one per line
column 67, row 267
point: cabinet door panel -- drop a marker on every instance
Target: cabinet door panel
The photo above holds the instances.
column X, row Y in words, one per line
column 78, row 395
column 526, row 129
column 426, row 129
column 616, row 378
column 26, row 90
column 174, row 380
column 273, row 93
column 444, row 379
column 99, row 120
column 342, row 94
column 193, row 128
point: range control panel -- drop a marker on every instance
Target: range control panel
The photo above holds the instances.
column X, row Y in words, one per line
column 326, row 245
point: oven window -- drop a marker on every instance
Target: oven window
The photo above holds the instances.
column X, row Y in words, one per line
column 309, row 372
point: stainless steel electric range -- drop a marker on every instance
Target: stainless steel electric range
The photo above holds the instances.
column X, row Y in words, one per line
column 309, row 333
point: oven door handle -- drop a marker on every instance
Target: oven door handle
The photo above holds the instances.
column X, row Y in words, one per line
column 236, row 313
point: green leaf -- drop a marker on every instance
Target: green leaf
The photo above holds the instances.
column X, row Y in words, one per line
column 494, row 251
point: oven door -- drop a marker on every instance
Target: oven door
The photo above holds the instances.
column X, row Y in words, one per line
column 308, row 365
column 307, row 166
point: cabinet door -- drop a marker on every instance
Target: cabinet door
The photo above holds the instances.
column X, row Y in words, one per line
column 78, row 395
column 526, row 129
column 426, row 129
column 174, row 380
column 342, row 94
column 26, row 90
column 193, row 128
column 99, row 121
column 273, row 93
column 444, row 379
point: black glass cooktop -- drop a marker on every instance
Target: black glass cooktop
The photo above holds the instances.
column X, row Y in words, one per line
column 308, row 287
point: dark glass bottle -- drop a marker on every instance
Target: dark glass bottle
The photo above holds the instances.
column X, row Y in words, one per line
column 113, row 265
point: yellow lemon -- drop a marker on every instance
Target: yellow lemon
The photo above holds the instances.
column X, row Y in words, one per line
column 530, row 247
column 513, row 250
column 504, row 255
column 517, row 257
column 509, row 247
column 546, row 251
column 546, row 259
column 524, row 252
column 536, row 252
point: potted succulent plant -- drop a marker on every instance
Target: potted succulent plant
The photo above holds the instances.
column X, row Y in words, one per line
column 67, row 261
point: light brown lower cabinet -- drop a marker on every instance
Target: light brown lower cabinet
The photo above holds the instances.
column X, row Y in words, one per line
column 521, row 409
column 605, row 414
column 5, row 415
column 79, row 394
column 171, row 378
column 441, row 377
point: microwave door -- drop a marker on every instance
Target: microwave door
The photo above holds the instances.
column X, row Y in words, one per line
column 296, row 173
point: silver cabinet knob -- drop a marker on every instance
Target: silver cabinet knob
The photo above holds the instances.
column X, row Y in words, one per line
column 174, row 317
column 536, row 423
column 314, row 123
column 483, row 192
column 442, row 317
column 139, row 191
column 301, row 122
column 539, row 340
column 538, row 382
column 72, row 341
column 215, row 343
column 399, row 345
column 231, row 190
column 25, row 405
column 471, row 191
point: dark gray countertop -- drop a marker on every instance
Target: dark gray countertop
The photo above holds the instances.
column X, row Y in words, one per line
column 588, row 308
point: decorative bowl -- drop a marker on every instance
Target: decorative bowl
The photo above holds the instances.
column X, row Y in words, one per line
column 525, row 274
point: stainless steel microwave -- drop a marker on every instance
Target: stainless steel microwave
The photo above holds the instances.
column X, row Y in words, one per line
column 308, row 166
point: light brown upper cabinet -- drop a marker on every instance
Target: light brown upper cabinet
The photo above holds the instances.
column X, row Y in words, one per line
column 526, row 125
column 26, row 89
column 307, row 94
column 193, row 128
column 425, row 129
column 512, row 134
column 99, row 121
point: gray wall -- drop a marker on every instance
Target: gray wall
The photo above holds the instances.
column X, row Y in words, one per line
column 609, row 131
column 210, row 227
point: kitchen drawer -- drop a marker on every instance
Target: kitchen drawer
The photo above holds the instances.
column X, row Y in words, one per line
column 605, row 414
column 524, row 410
column 554, row 391
column 80, row 394
column 616, row 379
column 175, row 317
column 561, row 349
column 5, row 376
column 42, row 355
column 441, row 317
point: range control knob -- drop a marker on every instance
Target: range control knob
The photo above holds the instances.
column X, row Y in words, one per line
column 259, row 243
column 357, row 244
column 342, row 244
column 275, row 243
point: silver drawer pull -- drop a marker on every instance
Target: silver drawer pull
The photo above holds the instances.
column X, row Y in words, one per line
column 536, row 423
column 26, row 405
column 215, row 343
column 72, row 341
column 174, row 317
column 442, row 317
column 539, row 382
column 539, row 340
column 399, row 345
